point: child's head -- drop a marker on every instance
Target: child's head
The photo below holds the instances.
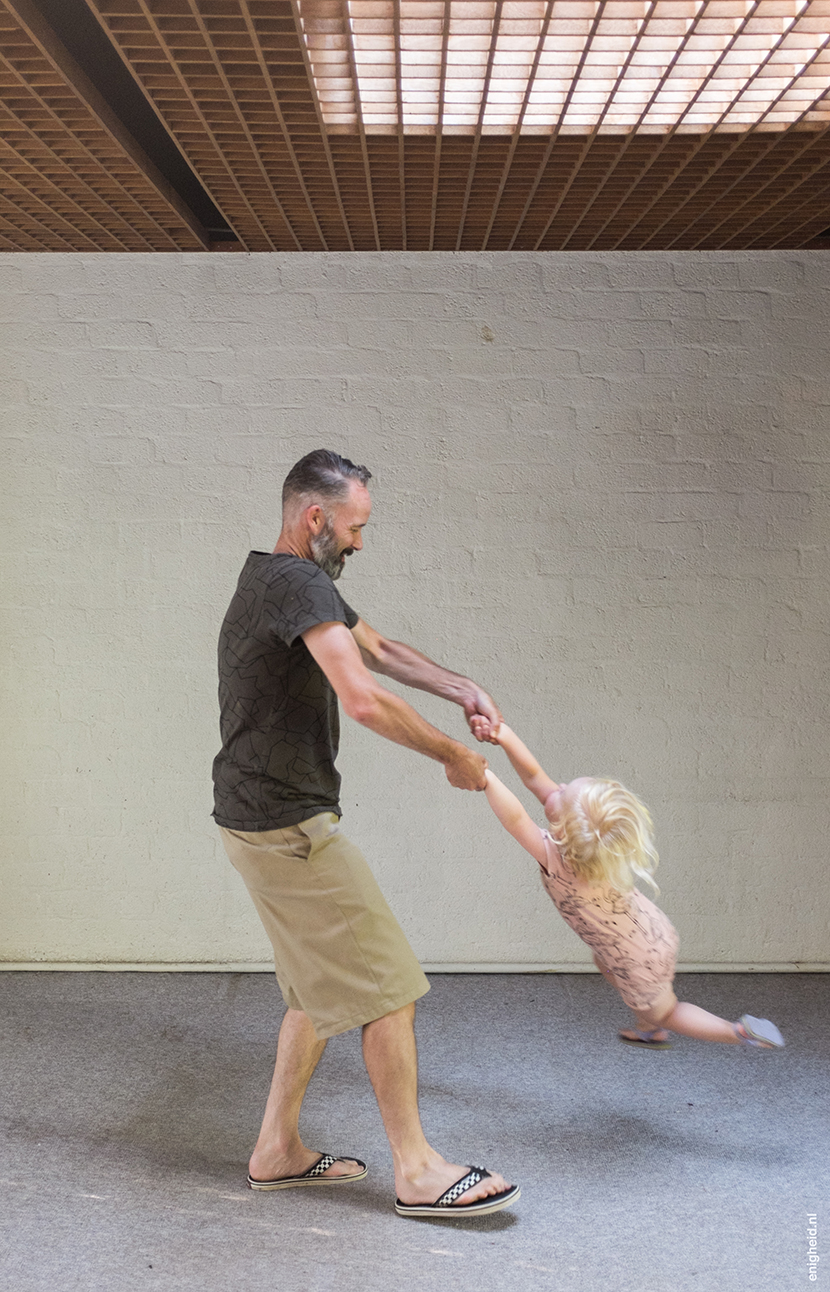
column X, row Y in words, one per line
column 603, row 832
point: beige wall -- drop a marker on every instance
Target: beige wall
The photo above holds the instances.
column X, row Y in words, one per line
column 600, row 488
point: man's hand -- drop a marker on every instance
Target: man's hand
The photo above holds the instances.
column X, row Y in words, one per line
column 465, row 769
column 480, row 705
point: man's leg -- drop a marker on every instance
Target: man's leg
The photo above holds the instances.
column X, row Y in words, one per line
column 279, row 1151
column 421, row 1174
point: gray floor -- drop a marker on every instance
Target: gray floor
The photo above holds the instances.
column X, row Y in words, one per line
column 129, row 1103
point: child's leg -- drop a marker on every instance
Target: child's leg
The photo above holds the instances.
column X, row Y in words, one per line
column 646, row 1034
column 677, row 1016
column 651, row 1028
column 691, row 1020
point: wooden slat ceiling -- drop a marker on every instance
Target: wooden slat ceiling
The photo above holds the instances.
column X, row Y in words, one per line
column 71, row 177
column 427, row 125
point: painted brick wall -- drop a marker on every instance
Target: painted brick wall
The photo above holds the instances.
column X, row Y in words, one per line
column 600, row 488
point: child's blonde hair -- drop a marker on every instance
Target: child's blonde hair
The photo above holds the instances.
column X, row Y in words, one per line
column 606, row 836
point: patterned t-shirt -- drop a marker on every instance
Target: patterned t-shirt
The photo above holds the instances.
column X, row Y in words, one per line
column 278, row 711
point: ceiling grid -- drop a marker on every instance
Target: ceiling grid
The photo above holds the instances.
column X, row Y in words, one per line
column 695, row 33
column 814, row 181
column 365, row 125
column 68, row 180
column 710, row 176
column 791, row 221
column 603, row 216
column 544, row 170
column 765, row 152
column 517, row 129
column 168, row 57
column 578, row 202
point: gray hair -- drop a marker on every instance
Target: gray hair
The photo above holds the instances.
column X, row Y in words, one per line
column 322, row 476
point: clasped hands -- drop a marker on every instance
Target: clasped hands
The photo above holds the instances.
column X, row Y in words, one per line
column 466, row 770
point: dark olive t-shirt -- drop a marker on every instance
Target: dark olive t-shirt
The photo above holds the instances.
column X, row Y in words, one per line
column 278, row 711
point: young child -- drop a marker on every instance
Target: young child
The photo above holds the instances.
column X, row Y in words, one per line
column 599, row 843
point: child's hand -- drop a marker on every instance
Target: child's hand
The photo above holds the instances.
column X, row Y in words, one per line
column 482, row 714
column 483, row 729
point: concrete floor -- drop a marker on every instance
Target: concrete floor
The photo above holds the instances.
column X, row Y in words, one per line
column 130, row 1102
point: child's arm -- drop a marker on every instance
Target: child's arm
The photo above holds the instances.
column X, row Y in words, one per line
column 514, row 818
column 537, row 781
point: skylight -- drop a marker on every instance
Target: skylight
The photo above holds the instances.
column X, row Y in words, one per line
column 537, row 66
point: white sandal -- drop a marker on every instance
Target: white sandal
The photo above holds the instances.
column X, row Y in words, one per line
column 761, row 1034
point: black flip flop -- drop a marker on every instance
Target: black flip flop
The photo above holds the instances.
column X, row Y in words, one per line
column 443, row 1206
column 314, row 1175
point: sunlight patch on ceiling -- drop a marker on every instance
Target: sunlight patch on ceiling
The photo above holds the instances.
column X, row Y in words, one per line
column 535, row 66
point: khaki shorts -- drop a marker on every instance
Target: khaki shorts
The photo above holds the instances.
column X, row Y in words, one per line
column 339, row 953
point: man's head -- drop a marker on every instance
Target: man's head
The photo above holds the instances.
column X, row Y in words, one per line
column 326, row 504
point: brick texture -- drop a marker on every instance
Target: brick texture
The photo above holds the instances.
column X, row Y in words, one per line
column 600, row 488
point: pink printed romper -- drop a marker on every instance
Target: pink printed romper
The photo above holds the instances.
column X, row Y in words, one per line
column 632, row 940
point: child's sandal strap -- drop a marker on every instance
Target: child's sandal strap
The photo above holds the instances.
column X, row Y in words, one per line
column 758, row 1033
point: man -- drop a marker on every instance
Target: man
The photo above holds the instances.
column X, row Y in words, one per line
column 290, row 647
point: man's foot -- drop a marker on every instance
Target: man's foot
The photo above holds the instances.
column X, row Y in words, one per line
column 452, row 1201
column 657, row 1040
column 436, row 1177
column 271, row 1170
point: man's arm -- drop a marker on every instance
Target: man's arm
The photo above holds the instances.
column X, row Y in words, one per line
column 407, row 665
column 336, row 651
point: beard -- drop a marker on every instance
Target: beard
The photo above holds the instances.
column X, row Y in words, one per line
column 327, row 553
